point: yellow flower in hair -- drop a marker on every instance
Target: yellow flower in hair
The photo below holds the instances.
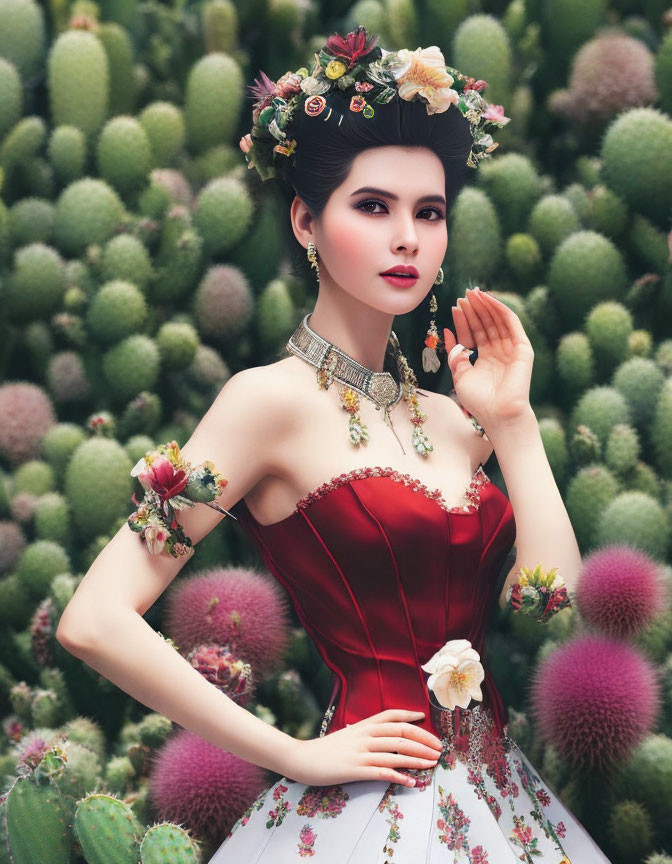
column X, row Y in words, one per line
column 334, row 69
column 424, row 72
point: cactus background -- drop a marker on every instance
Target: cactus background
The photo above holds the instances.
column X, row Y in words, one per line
column 142, row 264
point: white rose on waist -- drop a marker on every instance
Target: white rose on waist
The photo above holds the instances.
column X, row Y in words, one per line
column 455, row 674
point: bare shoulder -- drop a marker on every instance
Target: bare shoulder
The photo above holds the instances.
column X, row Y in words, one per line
column 260, row 396
column 459, row 427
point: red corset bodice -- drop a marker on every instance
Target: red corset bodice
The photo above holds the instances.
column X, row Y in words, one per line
column 382, row 573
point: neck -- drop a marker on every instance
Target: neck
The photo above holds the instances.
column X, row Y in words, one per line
column 358, row 330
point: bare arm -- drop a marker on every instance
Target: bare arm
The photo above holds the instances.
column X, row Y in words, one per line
column 103, row 625
column 544, row 533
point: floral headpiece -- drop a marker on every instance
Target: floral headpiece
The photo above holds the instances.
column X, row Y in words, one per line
column 368, row 74
column 171, row 484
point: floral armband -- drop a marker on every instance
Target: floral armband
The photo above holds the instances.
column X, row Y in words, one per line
column 171, row 484
column 538, row 593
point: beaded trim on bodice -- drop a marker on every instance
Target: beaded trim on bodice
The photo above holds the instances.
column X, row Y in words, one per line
column 472, row 492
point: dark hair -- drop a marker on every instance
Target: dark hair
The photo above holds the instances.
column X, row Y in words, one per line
column 326, row 149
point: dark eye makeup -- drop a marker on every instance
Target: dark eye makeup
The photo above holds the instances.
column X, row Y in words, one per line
column 362, row 204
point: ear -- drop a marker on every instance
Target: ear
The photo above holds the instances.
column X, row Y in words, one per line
column 302, row 221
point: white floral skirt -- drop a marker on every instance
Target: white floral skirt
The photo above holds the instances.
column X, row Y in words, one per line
column 482, row 803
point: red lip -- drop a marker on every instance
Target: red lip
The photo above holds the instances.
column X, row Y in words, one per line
column 405, row 269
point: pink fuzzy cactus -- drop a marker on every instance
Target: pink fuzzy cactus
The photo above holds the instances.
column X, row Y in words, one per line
column 12, row 544
column 594, row 699
column 620, row 590
column 202, row 786
column 26, row 414
column 232, row 606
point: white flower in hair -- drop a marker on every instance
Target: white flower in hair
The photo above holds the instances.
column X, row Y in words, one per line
column 455, row 674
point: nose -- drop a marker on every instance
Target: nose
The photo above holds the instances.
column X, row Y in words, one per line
column 405, row 235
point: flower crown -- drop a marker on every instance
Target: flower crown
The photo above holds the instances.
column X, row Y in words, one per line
column 367, row 73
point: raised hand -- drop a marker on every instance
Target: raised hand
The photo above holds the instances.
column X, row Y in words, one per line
column 496, row 388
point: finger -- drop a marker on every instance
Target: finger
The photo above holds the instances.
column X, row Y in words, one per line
column 398, row 760
column 404, row 730
column 481, row 337
column 507, row 317
column 457, row 355
column 403, row 745
column 449, row 340
column 389, row 775
column 484, row 311
column 478, row 335
column 464, row 334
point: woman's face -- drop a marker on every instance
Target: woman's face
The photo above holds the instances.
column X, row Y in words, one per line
column 361, row 234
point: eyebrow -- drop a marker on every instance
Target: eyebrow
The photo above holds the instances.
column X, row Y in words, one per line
column 373, row 191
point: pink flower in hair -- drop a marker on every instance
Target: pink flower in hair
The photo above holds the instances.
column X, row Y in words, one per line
column 495, row 113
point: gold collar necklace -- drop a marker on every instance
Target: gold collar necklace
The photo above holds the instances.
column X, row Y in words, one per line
column 381, row 388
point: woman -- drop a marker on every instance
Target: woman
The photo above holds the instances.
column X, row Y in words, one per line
column 389, row 536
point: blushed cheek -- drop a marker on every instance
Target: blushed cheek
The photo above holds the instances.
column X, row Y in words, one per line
column 350, row 246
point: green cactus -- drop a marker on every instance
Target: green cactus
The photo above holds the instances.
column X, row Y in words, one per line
column 23, row 37
column 119, row 51
column 523, row 256
column 223, row 214
column 29, row 805
column 213, row 101
column 647, row 777
column 165, row 841
column 98, row 470
column 473, row 211
column 67, row 153
column 661, row 431
column 78, row 81
column 648, row 243
column 601, row 408
column 555, row 447
column 633, row 154
column 514, row 187
column 481, row 48
column 179, row 257
column 34, row 476
column 177, row 343
column 586, row 268
column 59, row 443
column 608, row 212
column 275, row 313
column 31, row 220
column 117, row 310
column 589, row 493
column 219, row 20
column 37, row 283
column 87, row 211
column 40, row 561
column 663, row 71
column 124, row 155
column 575, row 366
column 630, row 830
column 622, row 450
column 402, row 24
column 638, row 519
column 130, row 366
column 551, row 220
column 164, row 126
column 640, row 381
column 52, row 518
column 125, row 258
column 107, row 830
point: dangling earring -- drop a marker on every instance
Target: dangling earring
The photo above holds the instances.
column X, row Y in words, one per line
column 430, row 359
column 311, row 253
